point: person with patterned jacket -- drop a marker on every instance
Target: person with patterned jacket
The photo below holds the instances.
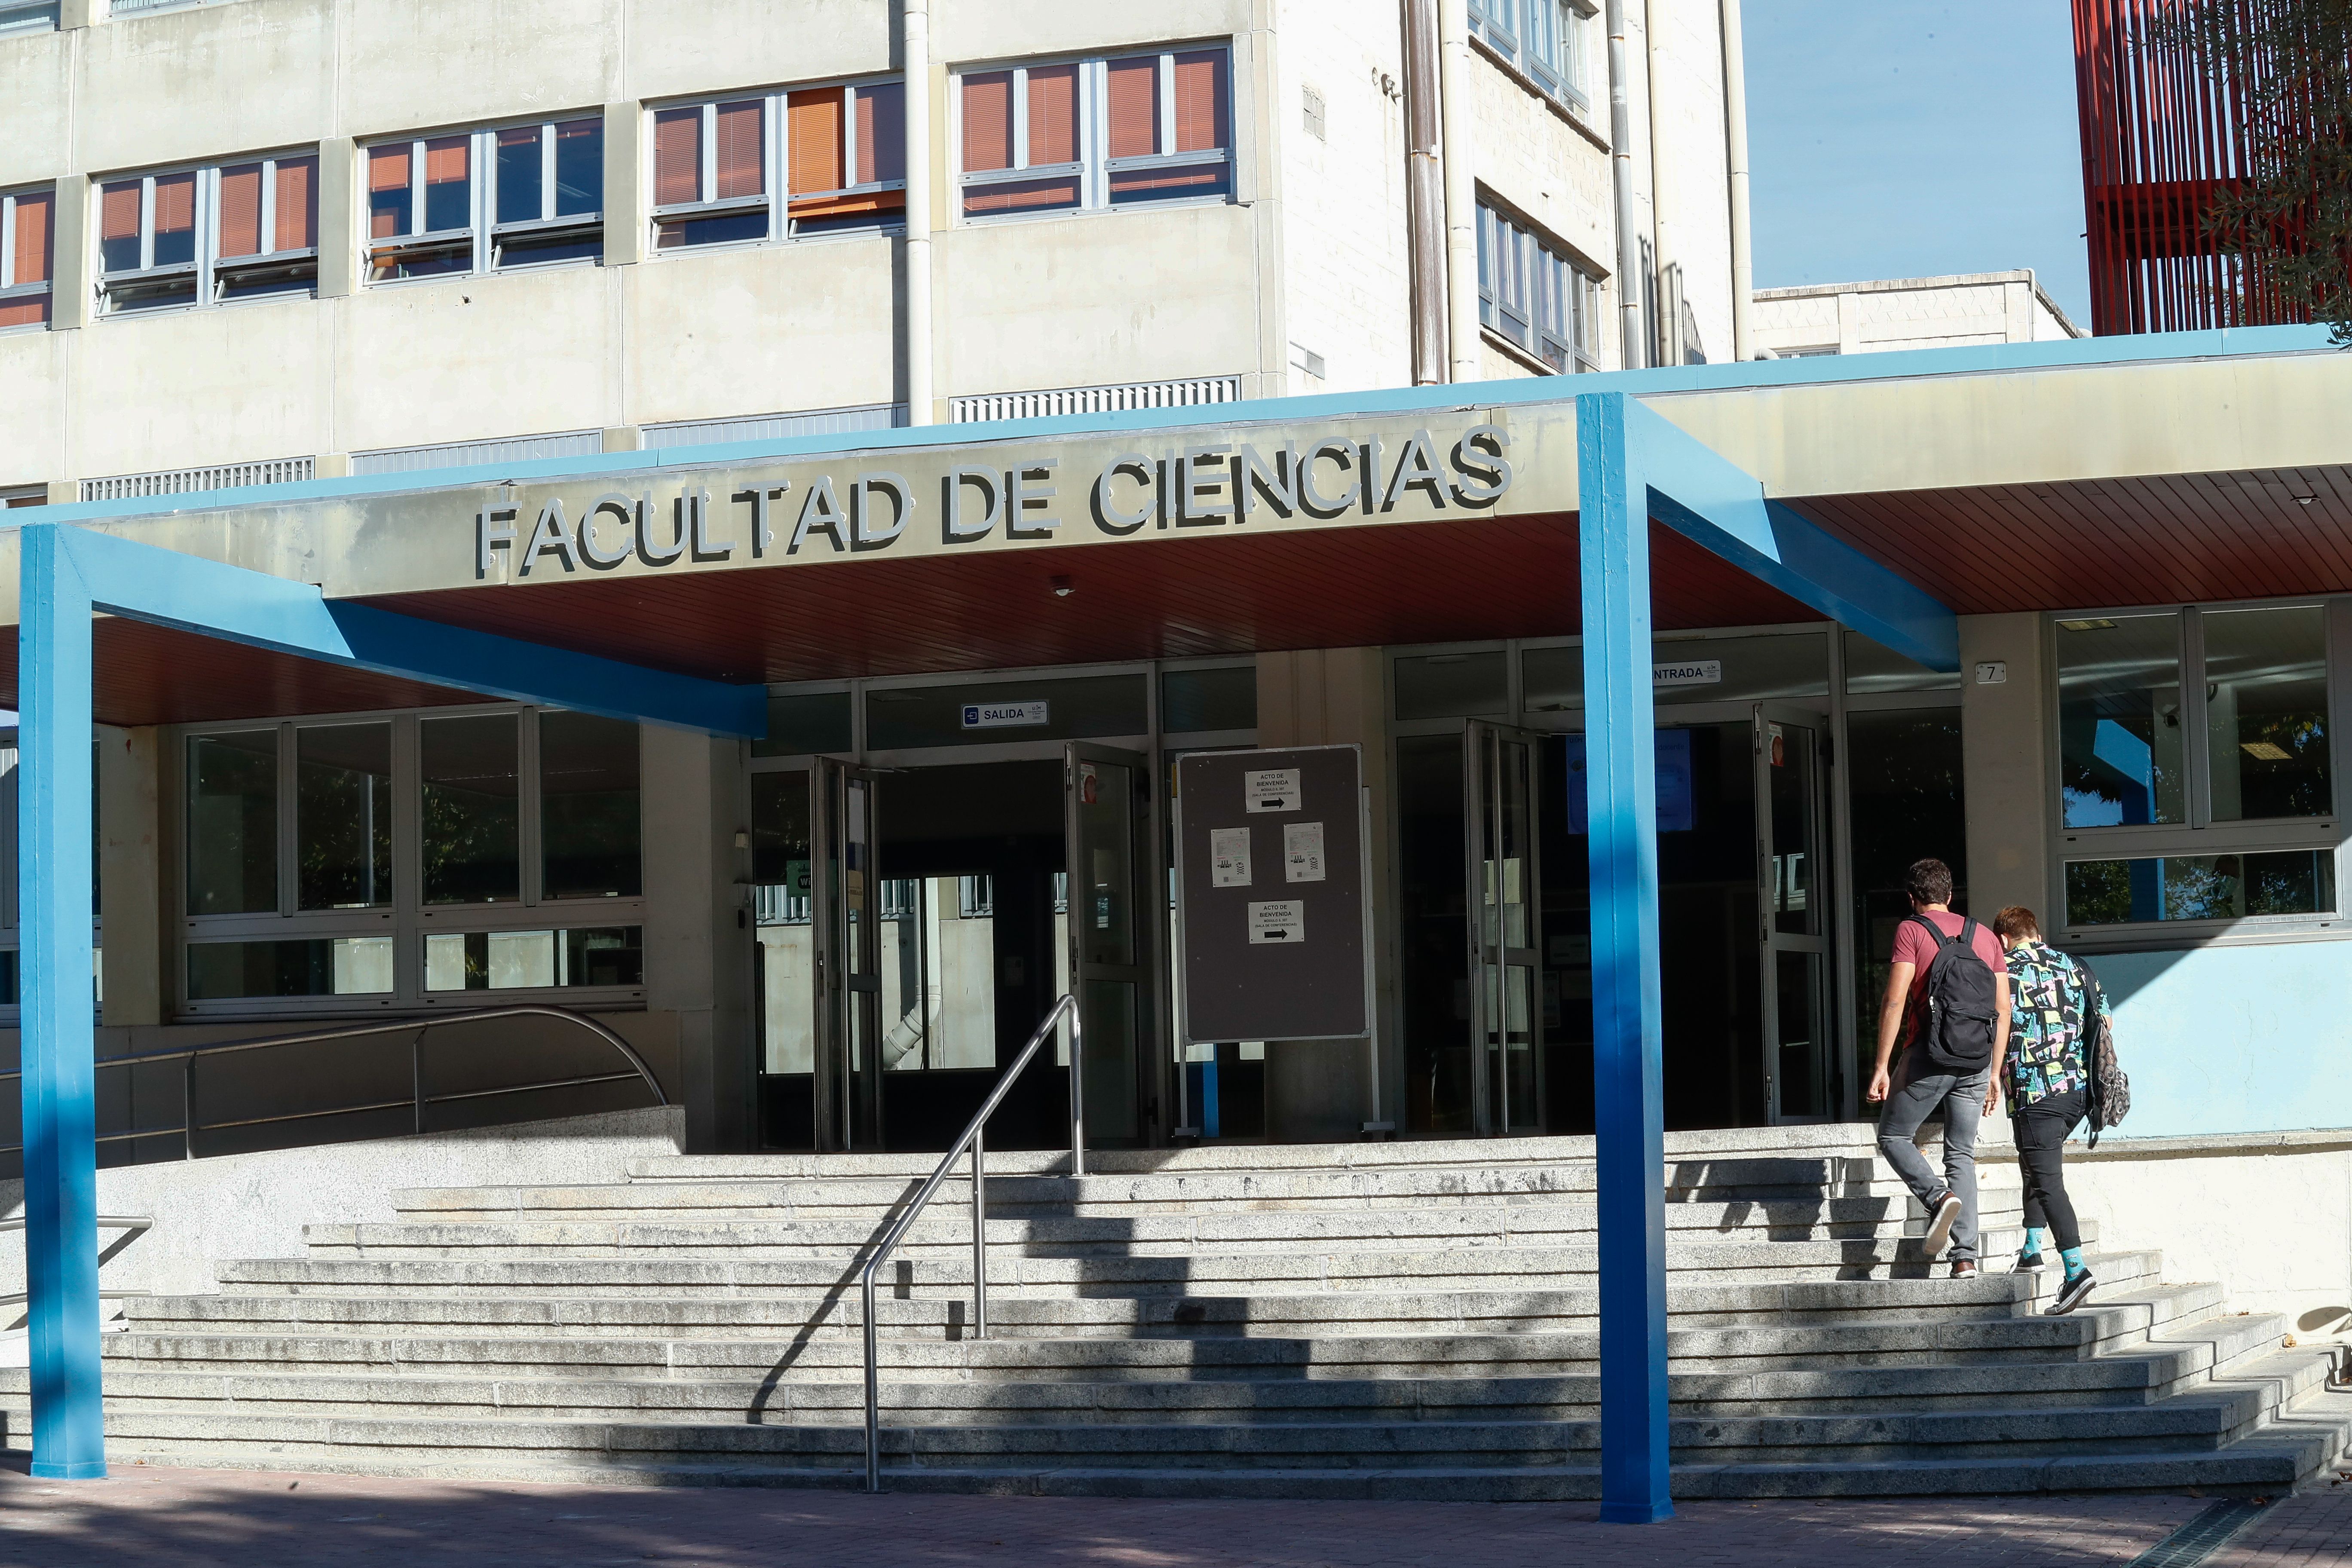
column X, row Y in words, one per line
column 2047, row 1085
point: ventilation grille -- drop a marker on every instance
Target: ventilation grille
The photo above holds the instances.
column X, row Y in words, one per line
column 20, row 16
column 1095, row 399
column 770, row 427
column 180, row 481
column 132, row 7
column 459, row 454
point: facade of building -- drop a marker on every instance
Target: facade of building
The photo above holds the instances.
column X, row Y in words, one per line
column 709, row 225
column 1961, row 310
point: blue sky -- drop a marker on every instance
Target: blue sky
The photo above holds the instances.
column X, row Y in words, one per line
column 1906, row 138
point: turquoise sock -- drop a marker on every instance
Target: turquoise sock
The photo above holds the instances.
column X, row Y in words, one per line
column 2033, row 1240
column 2074, row 1256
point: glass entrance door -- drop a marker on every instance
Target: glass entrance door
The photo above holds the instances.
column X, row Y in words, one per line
column 1116, row 933
column 1793, row 888
column 1507, row 1058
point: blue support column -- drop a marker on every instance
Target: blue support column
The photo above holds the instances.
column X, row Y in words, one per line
column 1620, row 794
column 53, row 894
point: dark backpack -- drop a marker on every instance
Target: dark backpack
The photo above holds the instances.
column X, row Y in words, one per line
column 2107, row 1099
column 1956, row 1033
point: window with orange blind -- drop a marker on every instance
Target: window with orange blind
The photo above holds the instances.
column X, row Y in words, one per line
column 208, row 235
column 1119, row 131
column 28, row 257
column 781, row 164
column 481, row 200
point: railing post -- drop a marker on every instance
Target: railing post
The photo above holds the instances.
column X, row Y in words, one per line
column 873, row 1391
column 188, row 1108
column 979, row 1235
column 1077, row 1092
column 416, row 1074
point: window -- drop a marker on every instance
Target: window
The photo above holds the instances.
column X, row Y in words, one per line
column 28, row 257
column 395, row 858
column 209, row 236
column 818, row 160
column 1536, row 297
column 2195, row 778
column 1545, row 38
column 477, row 201
column 1089, row 134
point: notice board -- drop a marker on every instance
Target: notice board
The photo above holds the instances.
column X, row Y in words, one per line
column 1273, row 895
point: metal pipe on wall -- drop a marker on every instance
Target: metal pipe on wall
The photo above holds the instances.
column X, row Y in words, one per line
column 1734, row 140
column 1455, row 67
column 915, row 53
column 1631, row 345
column 1424, row 193
column 1665, row 343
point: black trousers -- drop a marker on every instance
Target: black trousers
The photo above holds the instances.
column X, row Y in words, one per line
column 2041, row 1131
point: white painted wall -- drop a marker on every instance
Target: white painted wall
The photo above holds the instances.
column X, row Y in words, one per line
column 1889, row 314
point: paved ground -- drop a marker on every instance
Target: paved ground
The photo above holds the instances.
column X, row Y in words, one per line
column 203, row 1517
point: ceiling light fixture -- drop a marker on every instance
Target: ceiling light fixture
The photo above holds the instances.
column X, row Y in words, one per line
column 1062, row 586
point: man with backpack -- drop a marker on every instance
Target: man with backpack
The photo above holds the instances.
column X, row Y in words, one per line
column 1948, row 1006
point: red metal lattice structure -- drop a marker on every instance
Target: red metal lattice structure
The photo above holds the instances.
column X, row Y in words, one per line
column 2165, row 134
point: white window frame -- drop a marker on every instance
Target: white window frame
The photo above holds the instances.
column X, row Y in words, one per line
column 208, row 272
column 407, row 919
column 482, row 236
column 1095, row 166
column 1516, row 265
column 12, row 292
column 1544, row 40
column 775, row 171
column 2199, row 835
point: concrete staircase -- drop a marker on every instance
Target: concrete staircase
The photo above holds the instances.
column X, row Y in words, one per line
column 1401, row 1320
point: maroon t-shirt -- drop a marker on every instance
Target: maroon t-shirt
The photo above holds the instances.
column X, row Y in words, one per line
column 1911, row 947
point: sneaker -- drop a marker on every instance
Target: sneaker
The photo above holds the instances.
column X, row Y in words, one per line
column 1942, row 1214
column 2071, row 1295
column 1964, row 1268
column 2028, row 1263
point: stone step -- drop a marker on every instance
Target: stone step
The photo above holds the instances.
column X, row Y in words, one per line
column 1046, row 1279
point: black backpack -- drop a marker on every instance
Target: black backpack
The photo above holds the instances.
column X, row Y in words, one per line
column 2107, row 1098
column 1957, row 1030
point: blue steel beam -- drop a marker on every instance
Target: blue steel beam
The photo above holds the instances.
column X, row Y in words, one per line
column 1632, row 467
column 1718, row 507
column 213, row 599
column 68, row 575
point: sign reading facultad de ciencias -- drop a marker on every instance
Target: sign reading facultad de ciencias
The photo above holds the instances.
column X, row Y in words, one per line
column 1253, row 966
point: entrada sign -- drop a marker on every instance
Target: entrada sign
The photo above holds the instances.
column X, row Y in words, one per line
column 1216, row 483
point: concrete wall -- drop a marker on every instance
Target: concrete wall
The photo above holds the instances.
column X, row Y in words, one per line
column 1908, row 313
column 255, row 1206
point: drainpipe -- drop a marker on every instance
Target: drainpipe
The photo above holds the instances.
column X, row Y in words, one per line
column 1455, row 65
column 1425, row 192
column 1632, row 348
column 1734, row 136
column 1666, row 256
column 916, row 55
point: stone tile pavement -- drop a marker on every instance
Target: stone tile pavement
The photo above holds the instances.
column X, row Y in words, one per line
column 214, row 1519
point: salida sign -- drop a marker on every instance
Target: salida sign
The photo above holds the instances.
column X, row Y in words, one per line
column 1220, row 483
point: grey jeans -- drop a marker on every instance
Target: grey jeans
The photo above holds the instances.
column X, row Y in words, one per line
column 1917, row 1092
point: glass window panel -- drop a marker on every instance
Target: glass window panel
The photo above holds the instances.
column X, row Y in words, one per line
column 343, row 817
column 322, row 967
column 601, row 955
column 2267, row 713
column 175, row 219
column 2199, row 888
column 741, row 134
column 1752, row 670
column 520, row 189
column 1053, row 114
column 588, row 805
column 1135, row 106
column 31, row 261
column 2119, row 720
column 390, row 214
column 118, row 226
column 881, row 132
column 1021, row 195
column 813, row 125
column 1159, row 184
column 988, row 122
column 534, row 960
column 472, row 807
column 1201, row 100
column 1870, row 667
column 233, row 823
column 1193, row 699
column 240, row 211
column 1451, row 685
column 1074, row 709
column 677, row 156
column 805, row 723
column 578, row 168
column 1551, row 679
column 296, row 217
column 448, row 183
column 781, row 854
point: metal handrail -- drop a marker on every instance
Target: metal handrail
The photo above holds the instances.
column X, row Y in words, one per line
column 189, row 1126
column 913, row 1211
column 136, row 1225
